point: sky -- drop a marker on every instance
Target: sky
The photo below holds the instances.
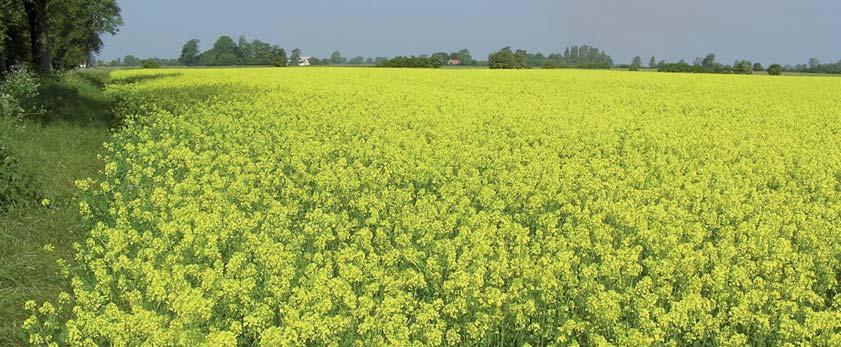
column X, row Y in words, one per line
column 767, row 31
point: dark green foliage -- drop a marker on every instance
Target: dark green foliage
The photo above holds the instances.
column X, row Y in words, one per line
column 775, row 70
column 72, row 32
column 295, row 58
column 223, row 53
column 336, row 58
column 438, row 59
column 636, row 63
column 358, row 60
column 757, row 67
column 465, row 57
column 190, row 53
column 131, row 60
column 652, row 63
column 815, row 66
column 279, row 58
column 682, row 66
column 151, row 64
column 412, row 62
column 506, row 59
column 15, row 187
column 581, row 57
column 708, row 61
column 743, row 67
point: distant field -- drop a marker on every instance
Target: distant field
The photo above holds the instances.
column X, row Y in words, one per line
column 363, row 206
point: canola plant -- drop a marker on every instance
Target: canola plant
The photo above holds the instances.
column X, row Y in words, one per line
column 367, row 207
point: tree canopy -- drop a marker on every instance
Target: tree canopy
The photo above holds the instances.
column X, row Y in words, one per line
column 61, row 33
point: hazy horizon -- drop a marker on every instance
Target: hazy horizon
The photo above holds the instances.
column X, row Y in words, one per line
column 774, row 31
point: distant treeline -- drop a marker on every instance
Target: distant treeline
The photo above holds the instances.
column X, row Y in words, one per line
column 585, row 56
column 434, row 60
column 227, row 52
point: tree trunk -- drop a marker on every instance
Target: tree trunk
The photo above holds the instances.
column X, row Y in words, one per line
column 36, row 15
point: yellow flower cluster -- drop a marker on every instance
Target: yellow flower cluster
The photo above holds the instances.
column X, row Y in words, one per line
column 355, row 206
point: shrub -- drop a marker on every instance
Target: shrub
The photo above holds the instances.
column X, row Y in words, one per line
column 19, row 93
column 279, row 62
column 743, row 67
column 151, row 64
column 775, row 70
column 14, row 186
column 413, row 61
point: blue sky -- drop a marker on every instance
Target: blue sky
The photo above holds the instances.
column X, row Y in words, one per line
column 784, row 31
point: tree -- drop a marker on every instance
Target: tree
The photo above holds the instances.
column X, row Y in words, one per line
column 151, row 64
column 521, row 59
column 652, row 63
column 814, row 63
column 505, row 59
column 77, row 26
column 743, row 67
column 36, row 15
column 708, row 61
column 190, row 53
column 295, row 58
column 757, row 67
column 263, row 53
column 636, row 63
column 223, row 53
column 369, row 61
column 465, row 57
column 501, row 59
column 438, row 59
column 279, row 57
column 775, row 69
column 336, row 58
column 131, row 60
column 245, row 52
column 358, row 60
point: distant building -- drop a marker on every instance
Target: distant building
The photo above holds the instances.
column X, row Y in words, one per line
column 454, row 62
column 304, row 61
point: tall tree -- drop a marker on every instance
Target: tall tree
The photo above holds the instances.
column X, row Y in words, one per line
column 336, row 58
column 465, row 57
column 190, row 53
column 708, row 61
column 77, row 26
column 244, row 51
column 279, row 57
column 295, row 58
column 36, row 16
column 636, row 63
column 652, row 63
column 223, row 53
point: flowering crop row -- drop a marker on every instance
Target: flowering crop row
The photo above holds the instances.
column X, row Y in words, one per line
column 460, row 207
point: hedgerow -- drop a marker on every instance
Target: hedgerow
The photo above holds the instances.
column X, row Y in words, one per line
column 472, row 207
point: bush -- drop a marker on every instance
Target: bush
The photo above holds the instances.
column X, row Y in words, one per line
column 19, row 93
column 413, row 61
column 14, row 186
column 743, row 67
column 151, row 64
column 775, row 70
column 279, row 62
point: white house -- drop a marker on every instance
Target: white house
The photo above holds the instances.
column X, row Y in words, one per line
column 304, row 61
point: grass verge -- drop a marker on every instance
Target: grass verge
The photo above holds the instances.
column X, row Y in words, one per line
column 54, row 151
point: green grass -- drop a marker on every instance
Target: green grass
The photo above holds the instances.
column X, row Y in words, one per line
column 55, row 150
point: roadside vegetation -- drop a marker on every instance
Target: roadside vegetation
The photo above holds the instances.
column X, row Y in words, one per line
column 49, row 138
